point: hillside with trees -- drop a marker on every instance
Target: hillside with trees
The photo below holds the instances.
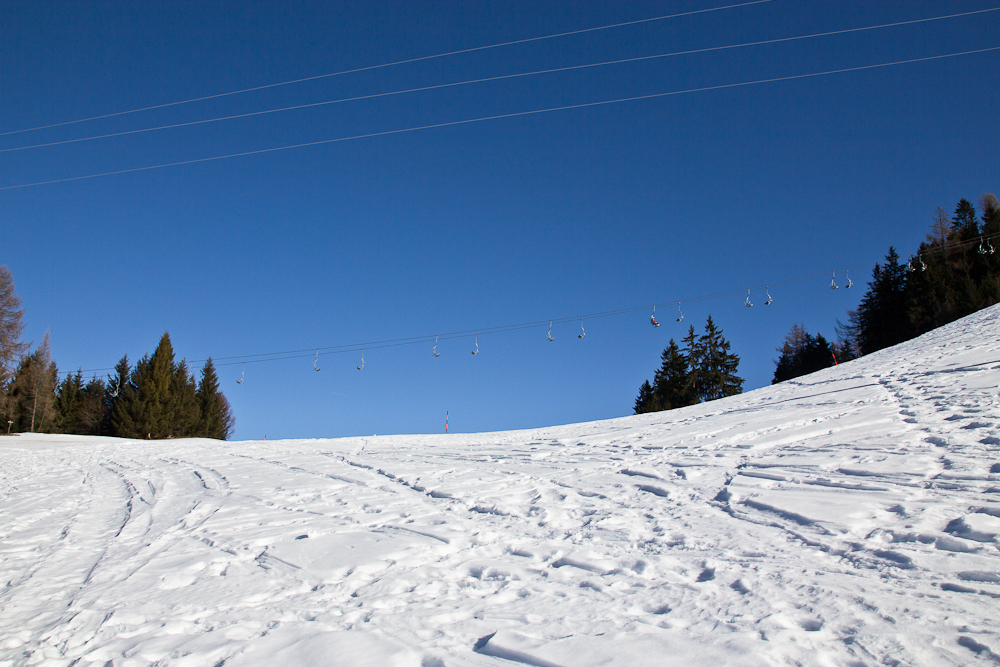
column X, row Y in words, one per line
column 954, row 273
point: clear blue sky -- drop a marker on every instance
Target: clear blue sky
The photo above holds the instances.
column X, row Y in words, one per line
column 465, row 227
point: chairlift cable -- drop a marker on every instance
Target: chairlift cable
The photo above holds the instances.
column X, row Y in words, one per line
column 398, row 342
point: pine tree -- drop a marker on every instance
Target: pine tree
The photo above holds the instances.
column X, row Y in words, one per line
column 184, row 413
column 68, row 396
column 645, row 401
column 80, row 408
column 228, row 419
column 718, row 368
column 118, row 397
column 90, row 410
column 694, row 387
column 964, row 224
column 987, row 266
column 802, row 353
column 215, row 416
column 670, row 385
column 154, row 407
column 881, row 319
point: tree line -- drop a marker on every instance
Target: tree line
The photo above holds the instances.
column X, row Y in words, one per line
column 954, row 273
column 157, row 398
column 702, row 370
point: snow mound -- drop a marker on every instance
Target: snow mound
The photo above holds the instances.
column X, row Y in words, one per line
column 850, row 517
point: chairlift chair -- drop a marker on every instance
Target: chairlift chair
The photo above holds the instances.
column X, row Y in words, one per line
column 315, row 367
column 550, row 332
column 583, row 332
column 244, row 375
column 652, row 318
column 362, row 366
column 747, row 302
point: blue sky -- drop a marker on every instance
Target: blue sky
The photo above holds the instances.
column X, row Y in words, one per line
column 478, row 225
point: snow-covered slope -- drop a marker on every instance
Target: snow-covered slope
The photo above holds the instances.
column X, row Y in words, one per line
column 846, row 518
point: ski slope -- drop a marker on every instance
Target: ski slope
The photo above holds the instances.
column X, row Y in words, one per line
column 850, row 517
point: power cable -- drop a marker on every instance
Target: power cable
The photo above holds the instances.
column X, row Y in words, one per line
column 501, row 77
column 507, row 115
column 390, row 64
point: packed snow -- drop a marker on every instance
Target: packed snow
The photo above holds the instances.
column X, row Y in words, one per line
column 850, row 517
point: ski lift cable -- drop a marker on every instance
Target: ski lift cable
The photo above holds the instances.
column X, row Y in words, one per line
column 620, row 61
column 398, row 342
column 396, row 63
column 516, row 114
column 315, row 352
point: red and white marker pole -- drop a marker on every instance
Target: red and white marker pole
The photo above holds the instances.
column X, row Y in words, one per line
column 445, row 421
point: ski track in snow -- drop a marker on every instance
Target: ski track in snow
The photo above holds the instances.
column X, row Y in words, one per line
column 850, row 517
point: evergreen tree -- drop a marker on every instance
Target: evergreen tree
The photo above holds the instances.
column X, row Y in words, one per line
column 718, row 368
column 90, row 410
column 989, row 239
column 128, row 419
column 670, row 383
column 80, row 407
column 645, row 401
column 692, row 353
column 228, row 419
column 118, row 396
column 881, row 319
column 185, row 414
column 802, row 353
column 215, row 417
column 68, row 396
column 964, row 224
column 154, row 380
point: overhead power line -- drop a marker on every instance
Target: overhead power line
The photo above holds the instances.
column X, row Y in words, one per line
column 369, row 68
column 515, row 114
column 620, row 61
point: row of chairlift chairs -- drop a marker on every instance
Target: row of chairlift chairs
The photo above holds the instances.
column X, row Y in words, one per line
column 583, row 331
column 917, row 264
column 748, row 303
column 985, row 248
